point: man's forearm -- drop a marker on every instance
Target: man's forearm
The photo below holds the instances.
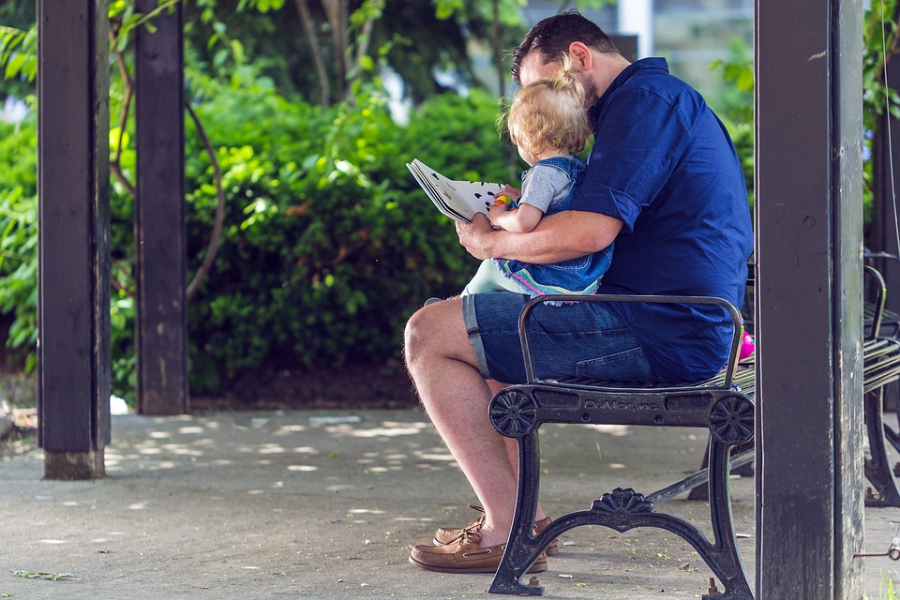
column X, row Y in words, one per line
column 562, row 236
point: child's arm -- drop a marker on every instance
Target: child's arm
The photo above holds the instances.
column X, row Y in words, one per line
column 520, row 220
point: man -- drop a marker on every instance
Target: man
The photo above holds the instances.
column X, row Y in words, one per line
column 663, row 182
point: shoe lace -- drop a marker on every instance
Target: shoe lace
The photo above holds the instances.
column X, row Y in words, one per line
column 471, row 534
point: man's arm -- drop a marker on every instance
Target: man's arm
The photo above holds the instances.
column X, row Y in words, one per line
column 562, row 236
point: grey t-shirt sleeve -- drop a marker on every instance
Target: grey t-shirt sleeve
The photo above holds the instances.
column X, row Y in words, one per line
column 543, row 185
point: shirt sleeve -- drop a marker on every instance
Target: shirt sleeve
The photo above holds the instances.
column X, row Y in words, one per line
column 541, row 185
column 638, row 140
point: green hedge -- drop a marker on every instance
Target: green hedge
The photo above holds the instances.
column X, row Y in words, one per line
column 18, row 234
column 328, row 246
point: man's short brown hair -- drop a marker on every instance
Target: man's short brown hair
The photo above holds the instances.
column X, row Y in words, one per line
column 552, row 36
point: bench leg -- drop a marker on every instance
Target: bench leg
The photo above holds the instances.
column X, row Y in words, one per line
column 892, row 435
column 522, row 549
column 877, row 468
column 723, row 558
column 622, row 510
column 701, row 492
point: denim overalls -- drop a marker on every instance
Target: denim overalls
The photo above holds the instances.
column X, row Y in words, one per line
column 577, row 276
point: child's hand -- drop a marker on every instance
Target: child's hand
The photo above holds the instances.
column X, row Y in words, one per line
column 497, row 210
column 512, row 192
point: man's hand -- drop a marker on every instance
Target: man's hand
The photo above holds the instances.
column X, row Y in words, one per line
column 475, row 236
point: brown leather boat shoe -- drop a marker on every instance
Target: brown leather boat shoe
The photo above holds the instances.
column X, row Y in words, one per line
column 447, row 535
column 466, row 555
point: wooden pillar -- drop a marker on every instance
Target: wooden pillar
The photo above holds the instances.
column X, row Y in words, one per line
column 73, row 281
column 809, row 303
column 161, row 323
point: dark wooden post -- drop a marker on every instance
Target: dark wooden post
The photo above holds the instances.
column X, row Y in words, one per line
column 161, row 324
column 809, row 303
column 73, row 280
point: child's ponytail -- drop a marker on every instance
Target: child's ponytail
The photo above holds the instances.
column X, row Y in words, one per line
column 566, row 80
column 549, row 114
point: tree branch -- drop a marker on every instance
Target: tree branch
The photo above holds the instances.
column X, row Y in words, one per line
column 365, row 39
column 115, row 165
column 213, row 246
column 336, row 11
column 498, row 52
column 307, row 22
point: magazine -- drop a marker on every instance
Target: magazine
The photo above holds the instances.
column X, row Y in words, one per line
column 459, row 200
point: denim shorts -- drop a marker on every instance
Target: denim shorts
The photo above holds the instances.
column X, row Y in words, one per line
column 580, row 339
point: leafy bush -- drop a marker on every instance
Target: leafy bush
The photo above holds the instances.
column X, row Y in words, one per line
column 18, row 232
column 330, row 244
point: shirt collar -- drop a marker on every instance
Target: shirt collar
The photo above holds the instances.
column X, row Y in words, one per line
column 640, row 66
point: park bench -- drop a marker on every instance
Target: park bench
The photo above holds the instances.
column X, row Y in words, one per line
column 723, row 404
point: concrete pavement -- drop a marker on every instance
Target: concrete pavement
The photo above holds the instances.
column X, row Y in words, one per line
column 305, row 504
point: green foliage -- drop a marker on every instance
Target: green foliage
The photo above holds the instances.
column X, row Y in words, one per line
column 18, row 39
column 18, row 233
column 736, row 106
column 329, row 244
column 880, row 44
column 18, row 53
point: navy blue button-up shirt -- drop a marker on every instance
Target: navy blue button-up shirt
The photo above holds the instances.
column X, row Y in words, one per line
column 663, row 164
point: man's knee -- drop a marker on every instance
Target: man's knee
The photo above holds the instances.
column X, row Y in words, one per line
column 414, row 335
column 435, row 331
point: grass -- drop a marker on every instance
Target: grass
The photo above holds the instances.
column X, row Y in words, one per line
column 887, row 590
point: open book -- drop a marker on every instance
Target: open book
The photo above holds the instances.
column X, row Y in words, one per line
column 460, row 200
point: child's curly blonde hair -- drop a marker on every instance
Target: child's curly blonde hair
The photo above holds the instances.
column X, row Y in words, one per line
column 549, row 114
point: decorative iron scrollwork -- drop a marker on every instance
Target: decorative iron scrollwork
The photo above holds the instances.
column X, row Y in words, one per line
column 513, row 413
column 622, row 504
column 731, row 420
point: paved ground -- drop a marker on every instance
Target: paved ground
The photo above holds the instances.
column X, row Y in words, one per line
column 288, row 505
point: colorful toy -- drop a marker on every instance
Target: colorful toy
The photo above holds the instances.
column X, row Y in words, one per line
column 748, row 346
column 501, row 199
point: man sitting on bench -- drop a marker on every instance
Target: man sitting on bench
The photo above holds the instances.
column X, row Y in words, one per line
column 664, row 182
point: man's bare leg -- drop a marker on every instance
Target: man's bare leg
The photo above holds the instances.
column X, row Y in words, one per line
column 442, row 363
column 512, row 448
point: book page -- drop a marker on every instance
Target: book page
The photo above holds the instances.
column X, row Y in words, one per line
column 460, row 200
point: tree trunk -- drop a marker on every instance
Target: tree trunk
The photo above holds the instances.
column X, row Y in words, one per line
column 336, row 10
column 310, row 30
column 498, row 53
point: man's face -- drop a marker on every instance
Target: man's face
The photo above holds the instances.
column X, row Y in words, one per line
column 533, row 68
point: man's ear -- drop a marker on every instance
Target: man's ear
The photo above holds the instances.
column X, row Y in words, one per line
column 581, row 55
